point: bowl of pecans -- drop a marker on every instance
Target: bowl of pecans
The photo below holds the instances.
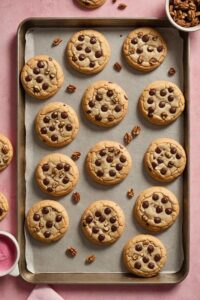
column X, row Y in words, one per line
column 184, row 14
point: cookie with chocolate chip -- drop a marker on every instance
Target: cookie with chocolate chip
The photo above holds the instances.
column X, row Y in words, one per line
column 3, row 206
column 144, row 49
column 108, row 162
column 91, row 4
column 88, row 51
column 156, row 209
column 165, row 159
column 42, row 76
column 57, row 124
column 105, row 103
column 57, row 174
column 6, row 152
column 103, row 222
column 161, row 102
column 47, row 221
column 144, row 255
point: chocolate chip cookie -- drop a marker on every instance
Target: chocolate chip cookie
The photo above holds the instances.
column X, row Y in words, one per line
column 108, row 162
column 42, row 76
column 47, row 221
column 103, row 222
column 57, row 174
column 144, row 49
column 144, row 255
column 105, row 103
column 156, row 208
column 161, row 102
column 6, row 152
column 165, row 159
column 3, row 206
column 57, row 124
column 91, row 4
column 88, row 51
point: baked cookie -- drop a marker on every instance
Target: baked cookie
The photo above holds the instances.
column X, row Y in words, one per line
column 165, row 159
column 91, row 4
column 161, row 102
column 156, row 208
column 57, row 124
column 88, row 51
column 57, row 174
column 3, row 206
column 103, row 222
column 108, row 162
column 47, row 221
column 42, row 76
column 144, row 49
column 144, row 255
column 105, row 103
column 6, row 152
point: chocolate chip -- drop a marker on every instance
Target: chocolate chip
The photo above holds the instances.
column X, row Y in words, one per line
column 178, row 156
column 150, row 100
column 157, row 220
column 39, row 79
column 134, row 41
column 89, row 219
column 138, row 247
column 104, row 107
column 98, row 118
column 65, row 180
column 139, row 50
column 160, row 48
column 173, row 150
column 81, row 57
column 163, row 92
column 54, row 115
column 43, row 130
column 145, row 259
column 170, row 89
column 102, row 152
column 101, row 237
column 145, row 204
column 154, row 165
column 49, row 189
column 93, row 40
column 150, row 109
column 59, row 166
column 54, row 137
column 109, row 159
column 45, row 167
column 160, row 160
column 162, row 104
column 109, row 93
column 152, row 92
column 88, row 50
column 172, row 110
column 164, row 199
column 49, row 224
column 81, row 37
column 107, row 210
column 36, row 217
column 40, row 64
column 92, row 64
column 68, row 127
column 113, row 228
column 99, row 97
column 157, row 257
column 91, row 103
column 145, row 38
column 47, row 234
column 112, row 173
column 168, row 211
column 45, row 86
column 36, row 89
column 112, row 220
column 58, row 218
column 155, row 197
column 66, row 167
column 151, row 265
column 150, row 115
column 122, row 158
column 170, row 164
column 36, row 71
column 99, row 173
column 64, row 115
column 163, row 171
column 150, row 248
column 101, row 219
column 163, row 115
column 28, row 78
column 97, row 213
column 97, row 162
column 119, row 167
column 98, row 54
column 46, row 181
column 95, row 230
column 52, row 128
column 159, row 209
column 170, row 98
column 45, row 210
column 79, row 47
column 137, row 265
column 46, row 119
column 158, row 150
column 118, row 108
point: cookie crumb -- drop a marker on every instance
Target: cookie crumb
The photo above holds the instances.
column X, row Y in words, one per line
column 127, row 138
column 171, row 72
column 117, row 67
column 90, row 259
column 70, row 89
column 76, row 197
column 135, row 131
column 75, row 155
column 121, row 6
column 71, row 251
column 56, row 42
column 130, row 193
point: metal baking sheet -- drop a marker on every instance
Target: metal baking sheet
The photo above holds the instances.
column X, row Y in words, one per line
column 37, row 40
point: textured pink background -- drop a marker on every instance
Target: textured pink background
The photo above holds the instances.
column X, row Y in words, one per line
column 12, row 12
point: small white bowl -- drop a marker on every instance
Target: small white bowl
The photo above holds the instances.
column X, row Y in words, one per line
column 186, row 29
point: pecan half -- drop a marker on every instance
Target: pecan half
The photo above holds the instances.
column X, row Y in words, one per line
column 71, row 88
column 90, row 259
column 171, row 71
column 127, row 138
column 135, row 131
column 71, row 251
column 56, row 42
column 76, row 197
column 121, row 6
column 75, row 155
column 117, row 67
column 130, row 193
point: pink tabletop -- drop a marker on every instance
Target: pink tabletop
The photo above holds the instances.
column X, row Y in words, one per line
column 12, row 12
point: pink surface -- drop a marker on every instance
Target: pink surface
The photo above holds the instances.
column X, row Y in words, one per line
column 7, row 253
column 12, row 12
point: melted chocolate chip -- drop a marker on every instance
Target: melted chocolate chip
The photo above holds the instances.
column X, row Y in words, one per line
column 28, row 78
column 145, row 204
column 79, row 47
column 45, row 210
column 150, row 248
column 170, row 164
column 160, row 48
column 173, row 150
column 164, row 199
column 64, row 115
column 119, row 167
column 95, row 230
column 66, row 167
column 81, row 57
column 88, row 50
column 99, row 97
column 109, row 159
column 162, row 104
column 49, row 189
column 152, row 92
column 101, row 237
column 118, row 108
column 68, row 127
column 58, row 218
column 112, row 173
column 43, row 130
column 102, row 152
column 59, row 166
column 159, row 209
column 151, row 265
column 122, row 158
column 150, row 100
column 40, row 64
column 54, row 115
column 163, row 92
column 92, row 64
column 46, row 181
column 47, row 234
column 100, row 173
column 170, row 98
column 178, row 156
column 52, row 128
column 93, row 40
column 46, row 119
column 138, row 247
column 170, row 89
column 145, row 38
column 163, row 171
column 160, row 160
column 139, row 50
column 134, row 41
column 65, row 180
column 113, row 228
column 97, row 162
column 36, row 217
column 137, row 265
column 98, row 54
column 45, row 167
column 91, row 103
column 39, row 79
column 107, row 210
column 145, row 259
column 36, row 71
column 157, row 257
column 54, row 137
column 155, row 197
column 158, row 150
column 81, row 37
column 112, row 220
column 97, row 213
column 104, row 107
column 154, row 165
column 168, row 211
column 150, row 110
column 157, row 220
column 109, row 93
column 1, row 211
column 98, row 118
column 49, row 224
column 89, row 219
column 101, row 219
column 172, row 110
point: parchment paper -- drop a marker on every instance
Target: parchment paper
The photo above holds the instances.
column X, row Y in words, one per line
column 52, row 258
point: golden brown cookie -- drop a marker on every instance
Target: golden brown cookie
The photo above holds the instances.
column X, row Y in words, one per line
column 144, row 49
column 91, row 4
column 42, row 76
column 156, row 208
column 57, row 174
column 57, row 124
column 165, row 159
column 4, row 207
column 88, row 51
column 6, row 152
column 105, row 103
column 103, row 222
column 108, row 162
column 144, row 255
column 161, row 102
column 47, row 221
